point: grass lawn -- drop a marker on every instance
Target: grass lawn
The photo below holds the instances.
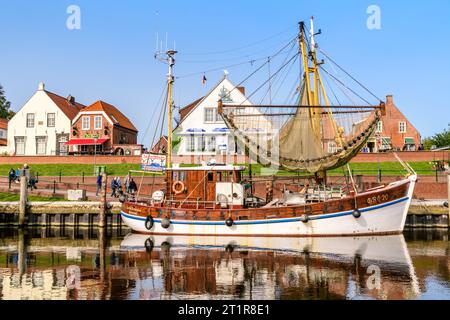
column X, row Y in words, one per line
column 9, row 197
column 387, row 168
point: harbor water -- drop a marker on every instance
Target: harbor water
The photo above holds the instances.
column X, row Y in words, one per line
column 113, row 264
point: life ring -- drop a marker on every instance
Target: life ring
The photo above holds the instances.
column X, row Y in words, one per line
column 178, row 187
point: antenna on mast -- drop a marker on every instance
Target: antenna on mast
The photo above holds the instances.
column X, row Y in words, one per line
column 168, row 57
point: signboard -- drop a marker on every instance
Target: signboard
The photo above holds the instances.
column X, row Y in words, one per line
column 91, row 136
column 153, row 162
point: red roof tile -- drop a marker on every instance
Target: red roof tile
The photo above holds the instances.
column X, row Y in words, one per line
column 116, row 116
column 70, row 109
column 4, row 124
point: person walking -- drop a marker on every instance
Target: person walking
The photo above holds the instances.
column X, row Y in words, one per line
column 127, row 183
column 133, row 187
column 12, row 176
column 99, row 183
column 114, row 187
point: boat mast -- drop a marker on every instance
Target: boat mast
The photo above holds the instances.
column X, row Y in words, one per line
column 170, row 81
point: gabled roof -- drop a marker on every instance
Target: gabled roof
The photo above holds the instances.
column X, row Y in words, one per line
column 187, row 109
column 117, row 117
column 184, row 112
column 70, row 109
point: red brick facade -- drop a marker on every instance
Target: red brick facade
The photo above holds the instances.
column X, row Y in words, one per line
column 395, row 132
column 105, row 122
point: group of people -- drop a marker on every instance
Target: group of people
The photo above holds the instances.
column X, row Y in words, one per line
column 14, row 176
column 116, row 186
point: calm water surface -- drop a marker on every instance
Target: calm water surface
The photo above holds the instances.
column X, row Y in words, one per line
column 85, row 264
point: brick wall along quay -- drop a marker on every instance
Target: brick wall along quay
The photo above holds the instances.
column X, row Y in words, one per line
column 422, row 156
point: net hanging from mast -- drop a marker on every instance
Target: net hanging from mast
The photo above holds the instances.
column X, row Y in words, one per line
column 311, row 135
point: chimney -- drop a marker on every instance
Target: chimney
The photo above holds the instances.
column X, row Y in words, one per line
column 242, row 90
column 41, row 86
column 71, row 99
column 390, row 99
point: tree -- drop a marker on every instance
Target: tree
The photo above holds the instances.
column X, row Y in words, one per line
column 439, row 140
column 5, row 106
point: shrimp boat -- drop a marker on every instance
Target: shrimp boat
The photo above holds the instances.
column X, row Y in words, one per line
column 218, row 200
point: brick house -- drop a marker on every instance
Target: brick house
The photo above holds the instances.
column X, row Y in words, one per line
column 160, row 146
column 394, row 132
column 3, row 135
column 101, row 128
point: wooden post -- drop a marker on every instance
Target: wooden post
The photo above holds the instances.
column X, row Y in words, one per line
column 448, row 195
column 22, row 253
column 23, row 199
column 103, row 203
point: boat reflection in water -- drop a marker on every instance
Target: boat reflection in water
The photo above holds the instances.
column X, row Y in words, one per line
column 278, row 268
column 37, row 264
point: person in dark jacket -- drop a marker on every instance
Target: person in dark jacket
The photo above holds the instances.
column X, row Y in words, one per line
column 99, row 183
column 114, row 187
column 133, row 187
column 12, row 175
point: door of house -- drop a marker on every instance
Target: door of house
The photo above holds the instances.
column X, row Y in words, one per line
column 62, row 148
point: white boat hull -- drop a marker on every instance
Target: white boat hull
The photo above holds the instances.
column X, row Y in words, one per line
column 388, row 218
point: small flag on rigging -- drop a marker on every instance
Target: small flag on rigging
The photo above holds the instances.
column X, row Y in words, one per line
column 204, row 79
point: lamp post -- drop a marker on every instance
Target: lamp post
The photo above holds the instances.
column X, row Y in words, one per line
column 95, row 153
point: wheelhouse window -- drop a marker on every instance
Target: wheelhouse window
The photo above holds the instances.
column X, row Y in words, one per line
column 30, row 120
column 51, row 117
column 86, row 123
column 98, row 122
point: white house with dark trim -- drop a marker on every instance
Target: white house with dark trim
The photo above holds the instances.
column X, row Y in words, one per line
column 42, row 126
column 202, row 130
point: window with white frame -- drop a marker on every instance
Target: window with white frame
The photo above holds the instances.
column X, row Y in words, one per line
column 332, row 147
column 201, row 145
column 2, row 133
column 41, row 145
column 190, row 143
column 51, row 119
column 402, row 127
column 211, row 145
column 98, row 122
column 20, row 146
column 379, row 127
column 86, row 123
column 209, row 115
column 30, row 120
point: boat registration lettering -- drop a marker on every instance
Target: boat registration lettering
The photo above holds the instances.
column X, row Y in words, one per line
column 378, row 199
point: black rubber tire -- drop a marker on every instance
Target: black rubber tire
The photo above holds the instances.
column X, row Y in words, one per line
column 357, row 214
column 149, row 245
column 304, row 218
column 229, row 222
column 149, row 223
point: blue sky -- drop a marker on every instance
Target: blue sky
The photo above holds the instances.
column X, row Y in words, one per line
column 111, row 56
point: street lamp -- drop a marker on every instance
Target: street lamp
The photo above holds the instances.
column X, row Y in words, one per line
column 95, row 153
